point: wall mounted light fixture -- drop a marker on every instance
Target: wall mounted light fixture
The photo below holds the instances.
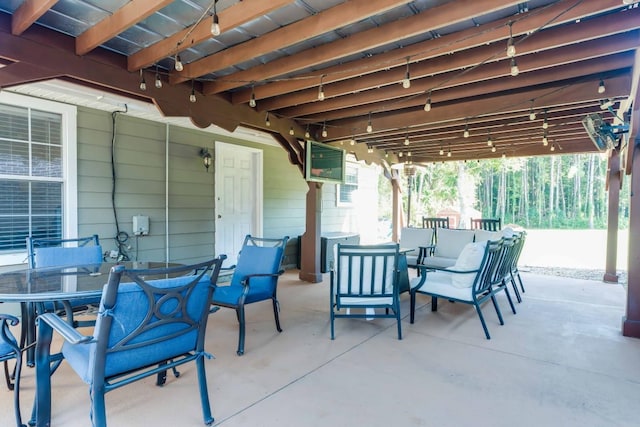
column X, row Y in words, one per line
column 206, row 157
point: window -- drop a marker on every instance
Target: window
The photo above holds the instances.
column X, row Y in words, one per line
column 347, row 191
column 37, row 173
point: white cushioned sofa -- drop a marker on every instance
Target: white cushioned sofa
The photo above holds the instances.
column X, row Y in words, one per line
column 451, row 242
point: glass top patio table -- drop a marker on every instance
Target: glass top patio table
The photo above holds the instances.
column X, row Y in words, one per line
column 62, row 283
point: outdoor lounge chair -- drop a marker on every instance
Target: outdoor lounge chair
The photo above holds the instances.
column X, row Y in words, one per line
column 144, row 327
column 469, row 281
column 489, row 224
column 255, row 278
column 9, row 350
column 365, row 276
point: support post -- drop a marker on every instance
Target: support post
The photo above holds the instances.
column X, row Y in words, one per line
column 396, row 216
column 310, row 245
column 631, row 321
column 614, row 181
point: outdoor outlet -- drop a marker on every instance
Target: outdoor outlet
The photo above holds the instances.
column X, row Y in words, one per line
column 140, row 225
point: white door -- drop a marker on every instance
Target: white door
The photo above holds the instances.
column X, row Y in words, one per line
column 238, row 175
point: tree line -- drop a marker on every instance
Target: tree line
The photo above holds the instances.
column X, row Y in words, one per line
column 560, row 191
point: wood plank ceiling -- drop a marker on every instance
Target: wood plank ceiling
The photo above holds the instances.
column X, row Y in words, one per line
column 419, row 81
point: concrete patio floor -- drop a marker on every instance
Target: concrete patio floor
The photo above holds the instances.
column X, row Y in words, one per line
column 561, row 361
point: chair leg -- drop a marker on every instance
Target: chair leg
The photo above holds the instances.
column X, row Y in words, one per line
column 515, row 290
column 497, row 307
column 506, row 291
column 484, row 324
column 413, row 307
column 204, row 392
column 98, row 407
column 434, row 304
column 276, row 309
column 398, row 321
column 16, row 388
column 240, row 315
column 520, row 280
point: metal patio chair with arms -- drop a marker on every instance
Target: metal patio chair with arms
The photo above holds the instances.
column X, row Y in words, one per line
column 144, row 327
column 365, row 276
column 56, row 253
column 254, row 279
column 469, row 281
column 489, row 224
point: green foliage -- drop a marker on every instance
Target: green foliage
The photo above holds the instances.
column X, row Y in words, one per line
column 562, row 191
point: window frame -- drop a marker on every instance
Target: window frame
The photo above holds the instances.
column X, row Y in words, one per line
column 69, row 134
column 349, row 165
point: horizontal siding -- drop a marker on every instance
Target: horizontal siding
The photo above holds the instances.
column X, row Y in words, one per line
column 140, row 189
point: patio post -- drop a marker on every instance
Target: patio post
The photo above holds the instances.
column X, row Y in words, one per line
column 310, row 244
column 631, row 321
column 614, row 181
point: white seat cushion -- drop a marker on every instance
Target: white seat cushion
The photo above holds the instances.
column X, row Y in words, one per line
column 438, row 262
column 439, row 283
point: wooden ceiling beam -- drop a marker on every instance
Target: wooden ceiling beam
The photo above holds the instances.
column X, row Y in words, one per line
column 120, row 20
column 289, row 35
column 557, row 14
column 548, row 96
column 431, row 19
column 230, row 18
column 596, row 43
column 28, row 13
column 534, row 69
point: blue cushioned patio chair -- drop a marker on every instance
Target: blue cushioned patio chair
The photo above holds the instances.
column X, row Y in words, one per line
column 9, row 350
column 469, row 286
column 62, row 253
column 144, row 327
column 255, row 278
column 365, row 276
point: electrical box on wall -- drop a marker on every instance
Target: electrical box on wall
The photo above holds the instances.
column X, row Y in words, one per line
column 140, row 225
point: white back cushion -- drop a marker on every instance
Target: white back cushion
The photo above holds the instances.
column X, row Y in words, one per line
column 470, row 259
column 484, row 235
column 451, row 242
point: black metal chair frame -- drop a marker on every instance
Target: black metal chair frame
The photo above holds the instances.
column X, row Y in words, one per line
column 7, row 320
column 489, row 224
column 428, row 222
column 482, row 289
column 178, row 298
column 246, row 282
column 386, row 294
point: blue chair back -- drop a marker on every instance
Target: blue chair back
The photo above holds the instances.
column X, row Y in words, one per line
column 259, row 256
column 53, row 253
column 146, row 322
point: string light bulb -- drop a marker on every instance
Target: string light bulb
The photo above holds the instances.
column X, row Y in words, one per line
column 143, row 84
column 307, row 134
column 601, row 88
column 215, row 25
column 449, row 152
column 321, row 89
column 532, row 114
column 252, row 100
column 266, row 120
column 406, row 140
column 514, row 67
column 324, row 130
column 545, row 139
column 545, row 123
column 291, row 131
column 511, row 47
column 158, row 82
column 192, row 97
column 353, row 141
column 466, row 130
column 369, row 126
column 493, row 149
column 553, row 147
column 178, row 64
column 406, row 82
column 489, row 140
column 427, row 105
column 441, row 152
column 369, row 149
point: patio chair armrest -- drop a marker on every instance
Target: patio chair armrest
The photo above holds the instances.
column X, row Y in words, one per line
column 11, row 320
column 248, row 277
column 61, row 326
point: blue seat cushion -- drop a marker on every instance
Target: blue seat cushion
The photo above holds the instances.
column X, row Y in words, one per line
column 6, row 352
column 252, row 260
column 128, row 314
